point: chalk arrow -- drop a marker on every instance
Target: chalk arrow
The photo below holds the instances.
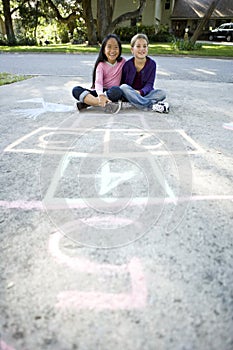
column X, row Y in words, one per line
column 110, row 180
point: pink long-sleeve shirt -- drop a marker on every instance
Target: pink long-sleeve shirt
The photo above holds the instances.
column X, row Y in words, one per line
column 108, row 75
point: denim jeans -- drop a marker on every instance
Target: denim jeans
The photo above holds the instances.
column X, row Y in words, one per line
column 142, row 102
column 114, row 93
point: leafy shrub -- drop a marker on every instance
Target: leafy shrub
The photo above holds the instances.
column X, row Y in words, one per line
column 162, row 34
column 126, row 33
column 185, row 45
column 3, row 41
column 79, row 36
column 163, row 37
column 27, row 41
column 64, row 36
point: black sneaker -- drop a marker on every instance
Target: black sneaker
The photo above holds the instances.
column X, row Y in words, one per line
column 112, row 107
column 81, row 105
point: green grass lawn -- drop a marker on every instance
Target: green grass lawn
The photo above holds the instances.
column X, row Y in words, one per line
column 211, row 50
column 7, row 78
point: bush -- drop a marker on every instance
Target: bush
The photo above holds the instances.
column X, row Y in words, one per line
column 64, row 36
column 79, row 36
column 186, row 45
column 162, row 34
column 3, row 42
column 19, row 42
column 126, row 33
column 163, row 37
column 27, row 42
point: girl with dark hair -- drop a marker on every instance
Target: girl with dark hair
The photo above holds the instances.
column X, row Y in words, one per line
column 105, row 90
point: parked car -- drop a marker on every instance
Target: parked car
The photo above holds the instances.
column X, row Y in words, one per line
column 224, row 32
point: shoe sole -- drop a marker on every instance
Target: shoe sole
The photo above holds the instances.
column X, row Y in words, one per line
column 80, row 106
column 161, row 110
column 112, row 108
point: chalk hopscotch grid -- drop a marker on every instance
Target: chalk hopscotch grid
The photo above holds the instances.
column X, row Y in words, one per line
column 16, row 146
column 43, row 132
column 50, row 196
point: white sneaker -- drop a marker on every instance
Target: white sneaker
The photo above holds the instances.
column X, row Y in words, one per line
column 112, row 107
column 161, row 107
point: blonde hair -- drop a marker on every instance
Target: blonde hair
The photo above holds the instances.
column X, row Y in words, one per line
column 138, row 36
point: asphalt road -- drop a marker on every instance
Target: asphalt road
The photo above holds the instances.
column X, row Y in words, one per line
column 116, row 231
column 172, row 68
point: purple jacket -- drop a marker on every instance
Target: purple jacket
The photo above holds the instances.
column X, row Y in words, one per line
column 148, row 74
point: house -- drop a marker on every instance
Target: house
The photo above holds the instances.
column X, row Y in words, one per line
column 156, row 12
column 187, row 14
column 177, row 14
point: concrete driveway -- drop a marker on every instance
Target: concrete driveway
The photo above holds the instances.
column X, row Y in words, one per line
column 116, row 230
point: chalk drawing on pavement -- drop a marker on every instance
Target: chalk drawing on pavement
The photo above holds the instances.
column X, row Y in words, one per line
column 110, row 180
column 97, row 300
column 44, row 107
column 38, row 141
column 228, row 126
column 74, row 181
column 4, row 346
column 38, row 205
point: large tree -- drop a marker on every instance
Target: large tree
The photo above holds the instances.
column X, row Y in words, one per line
column 105, row 10
column 27, row 13
column 8, row 22
column 90, row 23
column 103, row 24
column 98, row 24
column 64, row 11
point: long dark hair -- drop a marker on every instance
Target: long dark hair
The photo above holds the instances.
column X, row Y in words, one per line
column 102, row 57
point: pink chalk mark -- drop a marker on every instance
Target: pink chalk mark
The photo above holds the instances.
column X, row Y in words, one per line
column 4, row 346
column 100, row 301
column 38, row 205
column 79, row 264
column 228, row 126
column 20, row 204
column 97, row 300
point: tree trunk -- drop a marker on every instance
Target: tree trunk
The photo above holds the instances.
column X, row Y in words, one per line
column 8, row 22
column 36, row 21
column 203, row 21
column 105, row 11
column 89, row 20
column 127, row 16
column 103, row 18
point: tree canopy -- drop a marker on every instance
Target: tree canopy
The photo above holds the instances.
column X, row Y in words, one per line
column 71, row 14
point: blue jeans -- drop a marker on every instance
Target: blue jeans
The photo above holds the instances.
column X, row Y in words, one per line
column 142, row 102
column 114, row 93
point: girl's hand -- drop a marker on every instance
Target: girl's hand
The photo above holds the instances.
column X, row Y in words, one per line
column 103, row 100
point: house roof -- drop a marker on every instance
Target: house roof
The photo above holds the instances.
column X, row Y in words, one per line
column 198, row 8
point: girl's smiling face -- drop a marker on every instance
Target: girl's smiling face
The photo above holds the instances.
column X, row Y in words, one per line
column 140, row 49
column 112, row 50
